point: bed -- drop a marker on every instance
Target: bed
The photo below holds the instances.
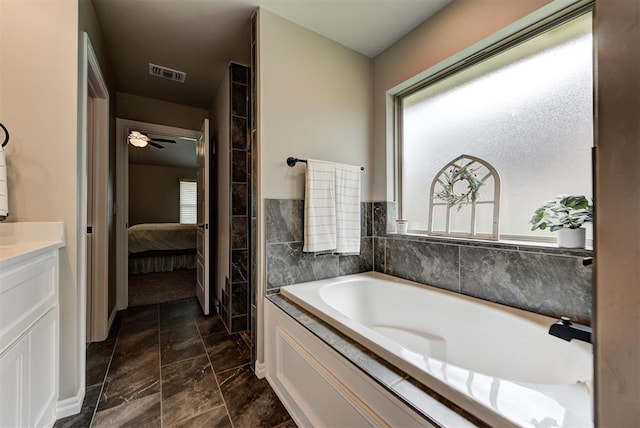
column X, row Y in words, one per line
column 161, row 247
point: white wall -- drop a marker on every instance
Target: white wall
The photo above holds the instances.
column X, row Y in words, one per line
column 221, row 115
column 315, row 102
column 453, row 29
column 151, row 110
column 38, row 104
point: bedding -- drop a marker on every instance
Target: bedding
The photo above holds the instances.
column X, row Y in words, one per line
column 161, row 237
column 162, row 247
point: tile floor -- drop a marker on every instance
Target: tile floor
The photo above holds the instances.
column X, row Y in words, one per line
column 166, row 365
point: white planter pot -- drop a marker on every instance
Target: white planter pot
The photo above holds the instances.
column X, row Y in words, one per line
column 402, row 226
column 571, row 238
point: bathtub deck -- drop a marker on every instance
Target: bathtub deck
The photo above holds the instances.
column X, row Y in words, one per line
column 421, row 399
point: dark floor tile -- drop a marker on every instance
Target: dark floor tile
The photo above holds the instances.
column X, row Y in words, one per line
column 288, row 424
column 140, row 318
column 117, row 323
column 98, row 359
column 180, row 343
column 143, row 412
column 132, row 341
column 217, row 418
column 177, row 313
column 188, row 388
column 131, row 377
column 82, row 419
column 226, row 351
column 251, row 401
column 210, row 324
column 246, row 336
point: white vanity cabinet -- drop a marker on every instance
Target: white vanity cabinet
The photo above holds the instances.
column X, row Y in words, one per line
column 29, row 323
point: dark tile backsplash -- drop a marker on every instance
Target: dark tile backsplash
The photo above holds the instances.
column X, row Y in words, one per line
column 287, row 264
column 549, row 281
column 549, row 284
column 284, row 220
column 426, row 263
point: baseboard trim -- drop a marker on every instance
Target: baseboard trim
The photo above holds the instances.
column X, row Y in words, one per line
column 260, row 370
column 70, row 406
column 111, row 318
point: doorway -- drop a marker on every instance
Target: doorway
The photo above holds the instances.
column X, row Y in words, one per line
column 156, row 233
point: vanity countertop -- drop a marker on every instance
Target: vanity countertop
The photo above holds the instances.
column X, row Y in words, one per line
column 23, row 240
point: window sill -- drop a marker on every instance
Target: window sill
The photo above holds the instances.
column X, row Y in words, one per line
column 527, row 246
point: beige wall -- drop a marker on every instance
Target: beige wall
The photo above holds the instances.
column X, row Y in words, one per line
column 143, row 109
column 315, row 102
column 453, row 29
column 38, row 104
column 154, row 193
column 220, row 117
column 617, row 211
column 87, row 21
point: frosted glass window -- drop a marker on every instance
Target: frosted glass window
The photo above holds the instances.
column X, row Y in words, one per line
column 528, row 111
column 188, row 201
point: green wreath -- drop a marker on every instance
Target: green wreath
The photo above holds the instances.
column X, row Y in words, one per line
column 451, row 177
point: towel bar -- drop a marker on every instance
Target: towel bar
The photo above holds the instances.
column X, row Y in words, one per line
column 291, row 161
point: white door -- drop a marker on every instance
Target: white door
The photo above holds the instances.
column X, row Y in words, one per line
column 202, row 166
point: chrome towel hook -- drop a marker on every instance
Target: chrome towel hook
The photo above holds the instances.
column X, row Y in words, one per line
column 6, row 135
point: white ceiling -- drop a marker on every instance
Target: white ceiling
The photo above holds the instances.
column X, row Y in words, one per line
column 200, row 37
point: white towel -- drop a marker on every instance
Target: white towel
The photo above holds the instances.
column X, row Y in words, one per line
column 319, row 207
column 347, row 209
column 4, row 193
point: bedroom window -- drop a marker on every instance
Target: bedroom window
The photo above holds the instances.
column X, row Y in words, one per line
column 526, row 110
column 188, row 201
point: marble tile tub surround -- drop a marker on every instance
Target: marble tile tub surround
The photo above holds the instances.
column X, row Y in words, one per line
column 287, row 264
column 547, row 280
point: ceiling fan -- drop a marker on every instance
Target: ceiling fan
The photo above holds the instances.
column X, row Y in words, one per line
column 138, row 139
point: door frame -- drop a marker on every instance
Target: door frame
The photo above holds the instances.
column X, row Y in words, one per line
column 92, row 84
column 204, row 144
column 123, row 127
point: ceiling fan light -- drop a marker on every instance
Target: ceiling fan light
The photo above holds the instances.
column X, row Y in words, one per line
column 137, row 142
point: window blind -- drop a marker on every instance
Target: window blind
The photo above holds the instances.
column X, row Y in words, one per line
column 188, row 201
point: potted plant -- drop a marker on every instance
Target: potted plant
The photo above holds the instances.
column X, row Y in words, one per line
column 566, row 214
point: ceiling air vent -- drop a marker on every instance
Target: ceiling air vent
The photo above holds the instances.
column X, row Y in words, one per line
column 167, row 73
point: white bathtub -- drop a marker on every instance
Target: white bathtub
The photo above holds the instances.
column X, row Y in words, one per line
column 497, row 362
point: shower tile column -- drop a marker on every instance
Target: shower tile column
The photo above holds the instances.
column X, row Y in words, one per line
column 235, row 298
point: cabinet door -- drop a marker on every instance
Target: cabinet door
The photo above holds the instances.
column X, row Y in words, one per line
column 43, row 368
column 14, row 385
